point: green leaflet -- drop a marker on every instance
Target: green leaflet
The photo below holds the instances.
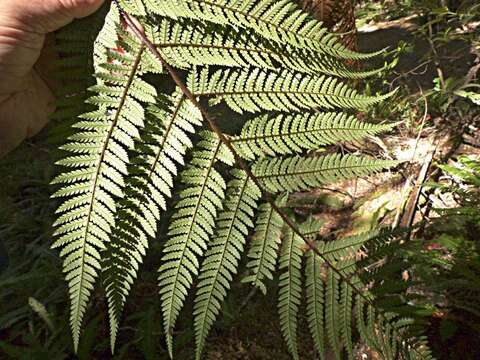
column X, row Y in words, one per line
column 133, row 7
column 99, row 165
column 295, row 133
column 347, row 247
column 265, row 244
column 222, row 258
column 329, row 306
column 191, row 226
column 290, row 280
column 331, row 314
column 163, row 146
column 346, row 305
column 290, row 289
column 186, row 43
column 257, row 90
column 281, row 21
column 302, row 173
column 315, row 300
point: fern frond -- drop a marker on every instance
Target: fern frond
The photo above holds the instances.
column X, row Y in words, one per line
column 281, row 21
column 164, row 142
column 299, row 173
column 347, row 247
column 294, row 133
column 256, row 90
column 222, row 258
column 266, row 56
column 264, row 245
column 334, row 291
column 186, row 43
column 101, row 147
column 191, row 227
column 315, row 300
column 134, row 7
column 290, row 289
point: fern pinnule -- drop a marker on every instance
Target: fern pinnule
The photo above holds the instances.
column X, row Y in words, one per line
column 345, row 317
column 314, row 271
column 133, row 7
column 347, row 247
column 332, row 295
column 224, row 253
column 365, row 321
column 191, row 227
column 187, row 43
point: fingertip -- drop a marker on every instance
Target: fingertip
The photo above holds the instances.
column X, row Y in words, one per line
column 81, row 8
column 44, row 16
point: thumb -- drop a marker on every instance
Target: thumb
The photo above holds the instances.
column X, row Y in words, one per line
column 44, row 16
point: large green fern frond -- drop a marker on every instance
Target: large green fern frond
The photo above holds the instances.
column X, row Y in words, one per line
column 191, row 227
column 302, row 173
column 151, row 179
column 264, row 245
column 99, row 158
column 223, row 256
column 295, row 133
column 254, row 56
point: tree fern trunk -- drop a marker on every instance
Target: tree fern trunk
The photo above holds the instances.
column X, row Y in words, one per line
column 337, row 15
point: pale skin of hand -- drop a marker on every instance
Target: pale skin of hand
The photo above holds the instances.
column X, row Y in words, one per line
column 26, row 100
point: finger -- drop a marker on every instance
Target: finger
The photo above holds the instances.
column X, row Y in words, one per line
column 44, row 16
column 24, row 114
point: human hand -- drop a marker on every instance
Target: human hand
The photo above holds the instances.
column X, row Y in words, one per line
column 26, row 100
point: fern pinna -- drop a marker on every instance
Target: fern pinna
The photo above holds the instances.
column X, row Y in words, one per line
column 141, row 140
